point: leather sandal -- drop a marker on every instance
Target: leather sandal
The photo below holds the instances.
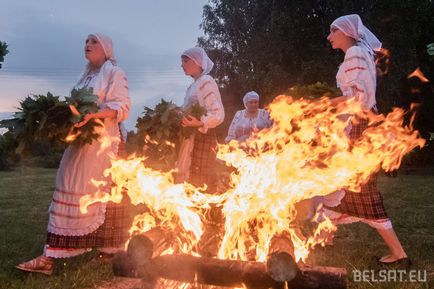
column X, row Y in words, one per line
column 41, row 264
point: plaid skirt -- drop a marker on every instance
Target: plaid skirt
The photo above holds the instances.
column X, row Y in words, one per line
column 203, row 161
column 113, row 233
column 368, row 203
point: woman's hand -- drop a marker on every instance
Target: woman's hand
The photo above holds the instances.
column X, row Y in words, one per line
column 105, row 113
column 85, row 120
column 191, row 121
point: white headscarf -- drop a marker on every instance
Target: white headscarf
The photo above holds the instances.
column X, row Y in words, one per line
column 199, row 56
column 249, row 96
column 104, row 75
column 352, row 26
column 107, row 44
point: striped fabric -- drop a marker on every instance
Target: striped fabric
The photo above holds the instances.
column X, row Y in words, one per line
column 112, row 234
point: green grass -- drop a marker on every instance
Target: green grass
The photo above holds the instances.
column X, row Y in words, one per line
column 409, row 203
column 25, row 195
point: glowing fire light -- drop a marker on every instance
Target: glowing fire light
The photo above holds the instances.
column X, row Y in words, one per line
column 306, row 153
column 176, row 206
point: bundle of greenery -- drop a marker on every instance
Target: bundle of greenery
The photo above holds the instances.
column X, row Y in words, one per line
column 196, row 111
column 46, row 118
column 161, row 130
column 82, row 102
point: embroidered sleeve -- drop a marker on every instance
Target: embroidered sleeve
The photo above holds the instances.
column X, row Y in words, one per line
column 357, row 74
column 209, row 97
column 117, row 95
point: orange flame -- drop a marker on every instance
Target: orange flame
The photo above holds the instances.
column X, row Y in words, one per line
column 306, row 153
column 176, row 206
column 72, row 135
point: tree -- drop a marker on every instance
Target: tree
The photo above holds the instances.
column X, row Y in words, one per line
column 3, row 52
column 270, row 45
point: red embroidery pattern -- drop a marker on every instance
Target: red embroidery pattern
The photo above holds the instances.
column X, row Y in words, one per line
column 355, row 57
column 354, row 68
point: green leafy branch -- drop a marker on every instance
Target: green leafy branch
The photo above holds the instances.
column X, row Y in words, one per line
column 161, row 130
column 46, row 118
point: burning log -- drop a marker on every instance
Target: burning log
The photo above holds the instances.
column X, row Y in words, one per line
column 209, row 271
column 231, row 273
column 281, row 267
column 319, row 277
column 123, row 265
column 142, row 260
column 280, row 262
column 211, row 238
column 152, row 243
column 141, row 249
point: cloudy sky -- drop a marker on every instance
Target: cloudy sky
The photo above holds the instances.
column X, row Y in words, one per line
column 46, row 39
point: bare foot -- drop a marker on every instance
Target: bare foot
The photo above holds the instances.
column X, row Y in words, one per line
column 390, row 258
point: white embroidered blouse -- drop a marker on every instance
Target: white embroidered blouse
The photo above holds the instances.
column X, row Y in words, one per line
column 356, row 76
column 242, row 126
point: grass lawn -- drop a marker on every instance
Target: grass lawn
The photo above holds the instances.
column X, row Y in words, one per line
column 26, row 192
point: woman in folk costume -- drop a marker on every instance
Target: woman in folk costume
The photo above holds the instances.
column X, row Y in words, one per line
column 248, row 120
column 197, row 157
column 196, row 162
column 105, row 225
column 356, row 78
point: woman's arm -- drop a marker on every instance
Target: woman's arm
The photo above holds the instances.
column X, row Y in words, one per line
column 209, row 97
column 360, row 75
column 117, row 97
column 117, row 101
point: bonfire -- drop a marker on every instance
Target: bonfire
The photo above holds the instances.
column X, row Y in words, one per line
column 306, row 153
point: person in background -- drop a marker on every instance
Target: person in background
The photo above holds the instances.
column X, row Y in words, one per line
column 105, row 225
column 248, row 120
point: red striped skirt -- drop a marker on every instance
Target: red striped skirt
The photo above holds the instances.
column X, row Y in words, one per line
column 113, row 233
column 368, row 203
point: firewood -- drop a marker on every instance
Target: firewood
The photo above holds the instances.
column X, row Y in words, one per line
column 210, row 271
column 143, row 247
column 280, row 262
column 233, row 273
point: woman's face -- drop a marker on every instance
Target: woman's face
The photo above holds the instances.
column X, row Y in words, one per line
column 252, row 105
column 93, row 50
column 338, row 39
column 190, row 67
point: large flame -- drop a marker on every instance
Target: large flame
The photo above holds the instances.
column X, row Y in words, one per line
column 175, row 206
column 306, row 153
